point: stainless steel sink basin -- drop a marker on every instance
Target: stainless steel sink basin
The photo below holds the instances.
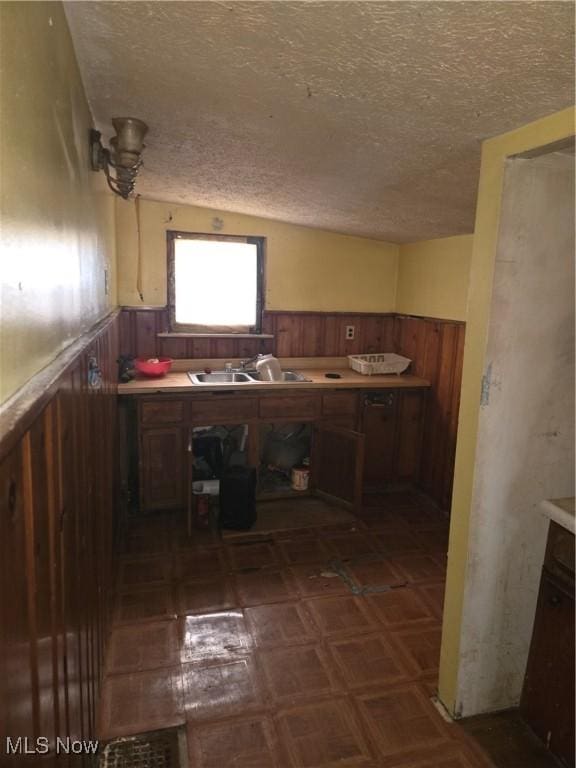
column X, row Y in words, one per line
column 219, row 377
column 286, row 376
column 240, row 377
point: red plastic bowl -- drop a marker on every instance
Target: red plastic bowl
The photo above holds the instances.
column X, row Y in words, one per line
column 143, row 365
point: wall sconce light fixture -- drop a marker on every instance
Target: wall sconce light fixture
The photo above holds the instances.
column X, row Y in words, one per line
column 124, row 155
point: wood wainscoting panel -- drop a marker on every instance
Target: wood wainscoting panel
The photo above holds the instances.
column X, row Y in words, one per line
column 296, row 334
column 57, row 497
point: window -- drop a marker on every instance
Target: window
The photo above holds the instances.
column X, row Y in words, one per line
column 215, row 283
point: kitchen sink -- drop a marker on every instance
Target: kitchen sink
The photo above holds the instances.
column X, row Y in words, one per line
column 286, row 376
column 220, row 377
column 240, row 377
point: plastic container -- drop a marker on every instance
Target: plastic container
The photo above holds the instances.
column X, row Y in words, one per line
column 300, row 478
column 379, row 363
column 153, row 366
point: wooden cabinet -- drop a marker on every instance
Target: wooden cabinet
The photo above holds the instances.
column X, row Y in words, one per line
column 379, row 412
column 162, row 412
column 337, row 463
column 300, row 406
column 392, row 424
column 340, row 409
column 162, row 468
column 353, row 448
column 223, row 410
column 408, row 436
column 548, row 697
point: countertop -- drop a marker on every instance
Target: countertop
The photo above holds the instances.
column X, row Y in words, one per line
column 561, row 511
column 178, row 381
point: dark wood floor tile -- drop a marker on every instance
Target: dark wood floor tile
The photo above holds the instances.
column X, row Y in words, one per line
column 280, row 624
column 247, row 743
column 318, row 580
column 418, row 567
column 200, row 564
column 434, row 540
column 421, row 647
column 375, row 573
column 304, row 550
column 402, row 608
column 382, row 520
column 403, row 722
column 222, row 690
column 204, row 538
column 297, row 672
column 418, row 516
column 298, row 533
column 324, row 735
column 369, row 660
column 397, row 542
column 447, row 756
column 142, row 571
column 206, row 596
column 261, row 587
column 137, row 647
column 149, row 536
column 349, row 546
column 341, row 615
column 142, row 701
column 434, row 596
column 144, row 604
column 213, row 637
column 242, row 557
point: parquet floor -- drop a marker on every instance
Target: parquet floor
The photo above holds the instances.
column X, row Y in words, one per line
column 306, row 649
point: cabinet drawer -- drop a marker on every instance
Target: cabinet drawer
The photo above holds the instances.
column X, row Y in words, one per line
column 162, row 412
column 223, row 410
column 290, row 407
column 339, row 405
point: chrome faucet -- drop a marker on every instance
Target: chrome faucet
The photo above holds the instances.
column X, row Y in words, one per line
column 245, row 363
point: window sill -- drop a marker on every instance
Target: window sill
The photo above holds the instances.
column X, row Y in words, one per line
column 171, row 335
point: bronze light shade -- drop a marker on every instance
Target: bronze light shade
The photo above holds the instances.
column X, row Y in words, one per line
column 124, row 155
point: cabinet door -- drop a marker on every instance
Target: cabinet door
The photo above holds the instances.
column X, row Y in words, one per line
column 162, row 468
column 379, row 417
column 409, row 434
column 340, row 409
column 548, row 697
column 337, row 464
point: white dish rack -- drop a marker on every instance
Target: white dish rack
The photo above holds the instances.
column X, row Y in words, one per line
column 378, row 363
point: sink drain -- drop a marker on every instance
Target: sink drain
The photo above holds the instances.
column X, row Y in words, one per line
column 157, row 749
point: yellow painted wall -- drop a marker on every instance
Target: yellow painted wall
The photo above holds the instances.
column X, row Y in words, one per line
column 494, row 153
column 306, row 269
column 57, row 222
column 433, row 277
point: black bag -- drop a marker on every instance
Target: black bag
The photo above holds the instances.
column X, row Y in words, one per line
column 238, row 498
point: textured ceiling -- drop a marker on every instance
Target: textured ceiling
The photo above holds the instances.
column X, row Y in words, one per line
column 358, row 117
